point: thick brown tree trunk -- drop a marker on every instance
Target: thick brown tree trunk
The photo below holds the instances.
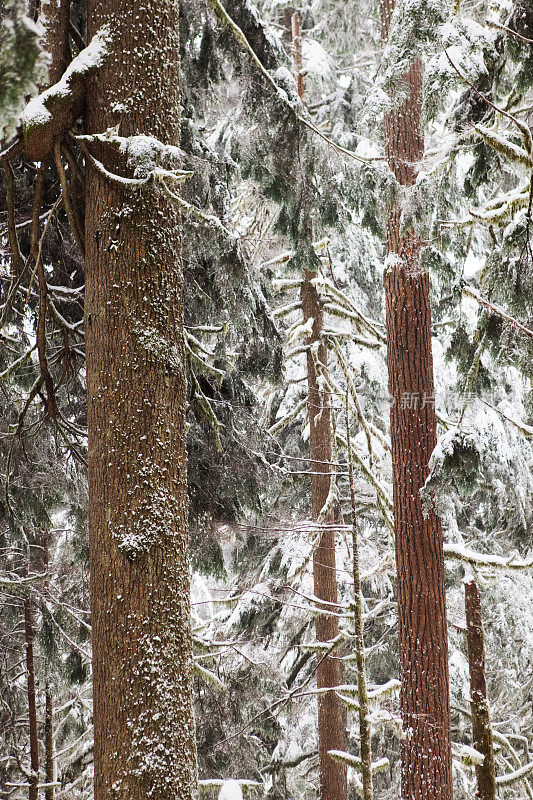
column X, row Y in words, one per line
column 479, row 704
column 331, row 715
column 144, row 734
column 32, row 705
column 426, row 747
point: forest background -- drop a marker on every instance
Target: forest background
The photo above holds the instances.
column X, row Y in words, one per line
column 272, row 178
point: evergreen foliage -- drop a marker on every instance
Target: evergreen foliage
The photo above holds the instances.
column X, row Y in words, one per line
column 269, row 196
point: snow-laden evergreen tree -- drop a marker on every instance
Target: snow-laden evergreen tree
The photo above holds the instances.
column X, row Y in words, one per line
column 243, row 132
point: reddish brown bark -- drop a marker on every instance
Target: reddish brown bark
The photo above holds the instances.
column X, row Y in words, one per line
column 426, row 747
column 297, row 54
column 144, row 735
column 32, row 705
column 479, row 704
column 331, row 714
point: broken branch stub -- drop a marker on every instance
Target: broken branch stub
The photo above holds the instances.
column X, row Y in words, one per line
column 48, row 117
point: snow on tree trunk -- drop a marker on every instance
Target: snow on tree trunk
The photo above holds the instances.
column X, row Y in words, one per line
column 144, row 732
column 479, row 704
column 426, row 745
column 331, row 714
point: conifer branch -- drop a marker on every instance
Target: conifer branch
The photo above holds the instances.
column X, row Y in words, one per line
column 517, row 775
column 225, row 18
column 482, row 560
column 471, row 376
column 471, row 292
column 522, row 127
column 493, row 24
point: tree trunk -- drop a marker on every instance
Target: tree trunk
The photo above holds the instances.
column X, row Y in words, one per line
column 426, row 747
column 49, row 746
column 331, row 716
column 50, row 772
column 32, row 705
column 365, row 728
column 55, row 18
column 144, row 733
column 481, row 727
column 331, row 712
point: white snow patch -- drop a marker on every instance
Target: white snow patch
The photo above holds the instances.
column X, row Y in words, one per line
column 230, row 790
column 36, row 112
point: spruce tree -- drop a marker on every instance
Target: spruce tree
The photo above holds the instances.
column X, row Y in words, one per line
column 423, row 636
column 140, row 606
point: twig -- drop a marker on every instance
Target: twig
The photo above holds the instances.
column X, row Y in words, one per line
column 494, row 24
column 7, row 372
column 468, row 290
column 77, row 233
column 47, row 218
column 18, row 260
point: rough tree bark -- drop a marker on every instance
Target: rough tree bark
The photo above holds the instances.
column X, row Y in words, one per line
column 331, row 713
column 144, row 734
column 479, row 704
column 426, row 746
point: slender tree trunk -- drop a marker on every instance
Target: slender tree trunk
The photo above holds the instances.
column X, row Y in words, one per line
column 144, row 733
column 32, row 705
column 426, row 747
column 297, row 62
column 365, row 730
column 481, row 727
column 331, row 712
column 49, row 706
column 49, row 746
column 331, row 717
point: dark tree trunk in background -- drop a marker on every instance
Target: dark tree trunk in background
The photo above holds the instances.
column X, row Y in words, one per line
column 49, row 792
column 423, row 642
column 55, row 18
column 144, row 733
column 331, row 714
column 32, row 704
column 479, row 704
